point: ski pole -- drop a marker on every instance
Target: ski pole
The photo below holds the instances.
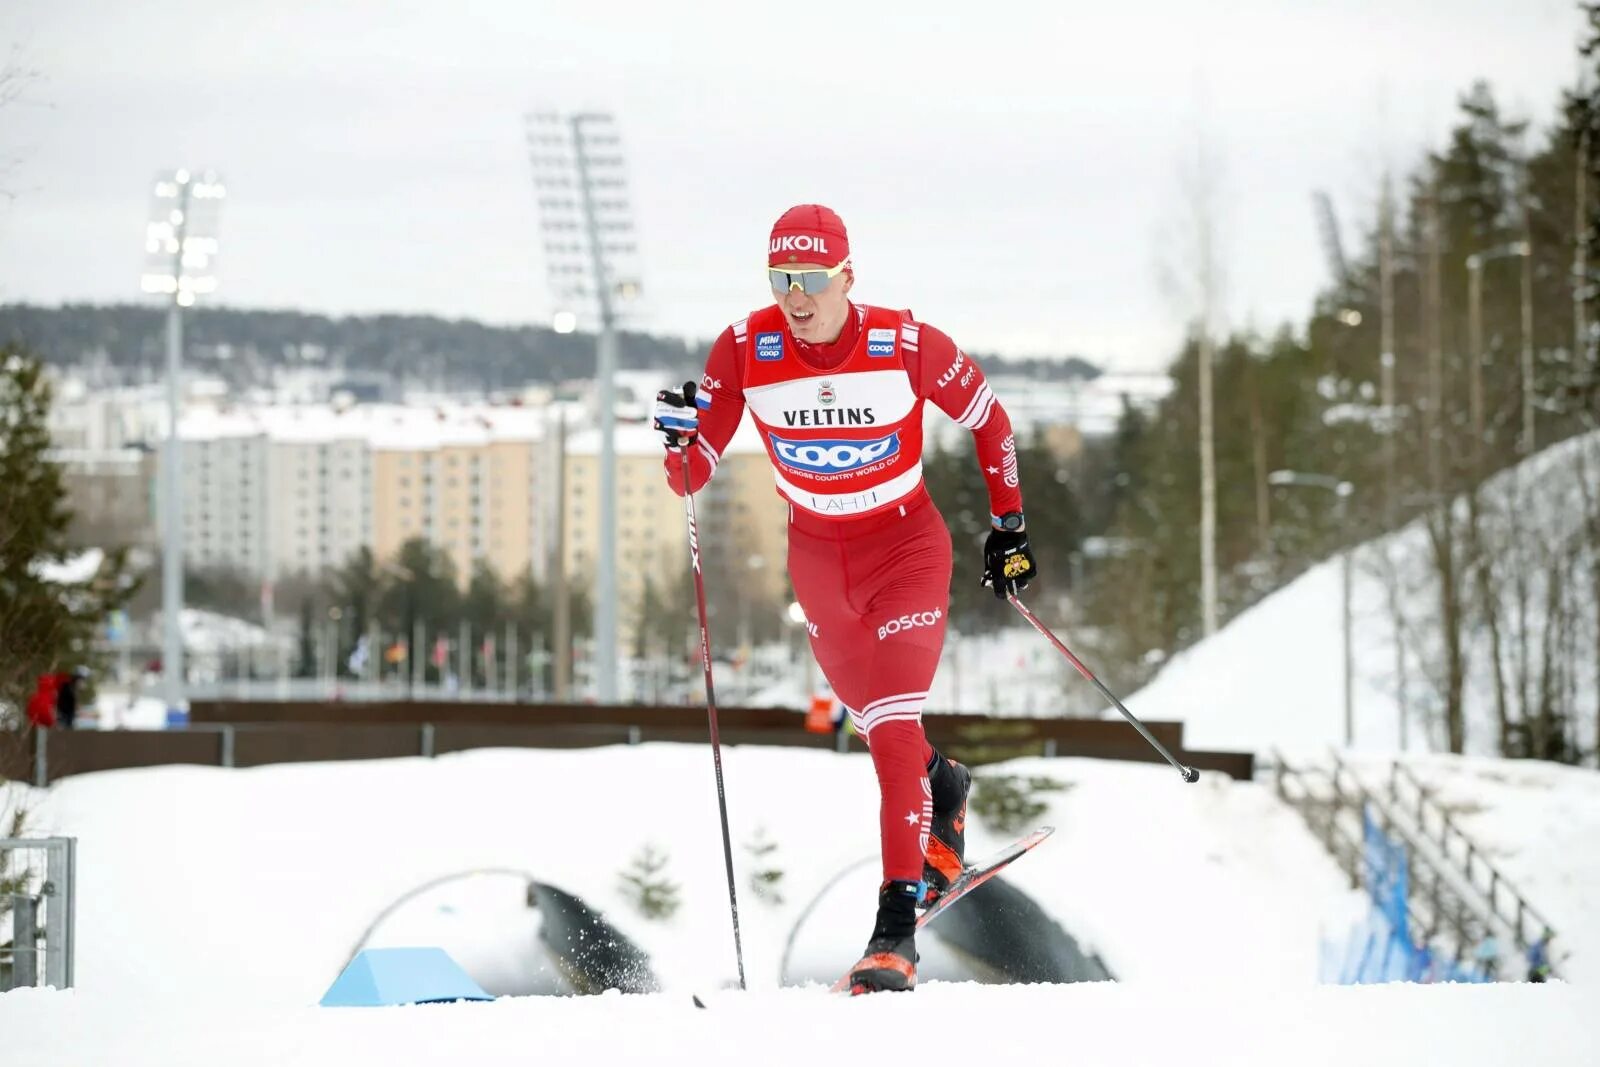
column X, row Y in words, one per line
column 1189, row 773
column 711, row 697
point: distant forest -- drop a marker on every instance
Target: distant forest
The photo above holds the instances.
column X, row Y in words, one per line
column 247, row 347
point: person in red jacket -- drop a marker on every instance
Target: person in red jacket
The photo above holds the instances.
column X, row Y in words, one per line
column 837, row 390
column 42, row 705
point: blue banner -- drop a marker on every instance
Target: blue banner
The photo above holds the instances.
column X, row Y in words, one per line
column 1380, row 947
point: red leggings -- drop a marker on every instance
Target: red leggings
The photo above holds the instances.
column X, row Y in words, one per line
column 876, row 592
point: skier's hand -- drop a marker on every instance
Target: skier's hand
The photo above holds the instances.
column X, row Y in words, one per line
column 676, row 416
column 1007, row 562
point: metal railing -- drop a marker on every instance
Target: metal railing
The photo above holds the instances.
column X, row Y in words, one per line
column 1465, row 854
column 1443, row 902
column 38, row 910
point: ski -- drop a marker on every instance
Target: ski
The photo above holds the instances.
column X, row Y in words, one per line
column 969, row 879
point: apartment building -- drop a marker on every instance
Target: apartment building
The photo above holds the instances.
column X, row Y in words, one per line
column 225, row 492
column 473, row 481
column 112, row 494
column 742, row 522
column 319, row 480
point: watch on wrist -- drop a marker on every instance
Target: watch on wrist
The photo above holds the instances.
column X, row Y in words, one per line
column 1011, row 520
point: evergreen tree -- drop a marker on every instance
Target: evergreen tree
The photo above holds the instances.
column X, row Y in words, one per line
column 354, row 588
column 485, row 612
column 766, row 877
column 484, row 605
column 46, row 624
column 1050, row 502
column 647, row 887
column 421, row 588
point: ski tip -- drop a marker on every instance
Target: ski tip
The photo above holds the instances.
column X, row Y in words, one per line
column 697, row 1001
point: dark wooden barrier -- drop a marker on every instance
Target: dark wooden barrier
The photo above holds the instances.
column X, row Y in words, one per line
column 255, row 733
column 257, row 747
column 974, row 738
column 83, row 751
column 16, row 756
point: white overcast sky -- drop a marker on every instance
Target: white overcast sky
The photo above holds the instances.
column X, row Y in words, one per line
column 1010, row 171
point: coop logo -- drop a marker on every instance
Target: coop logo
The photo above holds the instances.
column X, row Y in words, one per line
column 833, row 457
column 802, row 242
column 880, row 342
column 909, row 622
column 769, row 346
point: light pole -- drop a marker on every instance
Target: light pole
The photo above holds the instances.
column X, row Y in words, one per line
column 1342, row 491
column 180, row 249
column 588, row 236
column 1475, row 264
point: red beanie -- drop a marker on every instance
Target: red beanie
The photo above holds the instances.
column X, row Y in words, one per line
column 808, row 233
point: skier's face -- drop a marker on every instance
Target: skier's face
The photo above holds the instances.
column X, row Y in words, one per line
column 816, row 318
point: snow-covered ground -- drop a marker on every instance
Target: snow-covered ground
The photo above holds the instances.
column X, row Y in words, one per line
column 216, row 906
column 1197, row 1023
column 258, row 883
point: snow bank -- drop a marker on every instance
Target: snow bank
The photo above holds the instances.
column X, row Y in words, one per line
column 1205, row 1023
column 257, row 884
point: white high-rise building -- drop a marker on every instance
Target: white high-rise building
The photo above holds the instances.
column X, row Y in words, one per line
column 320, row 485
column 225, row 487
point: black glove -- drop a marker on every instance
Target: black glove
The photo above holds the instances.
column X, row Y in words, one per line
column 1007, row 562
column 676, row 416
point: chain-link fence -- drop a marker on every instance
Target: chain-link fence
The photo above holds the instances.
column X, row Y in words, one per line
column 37, row 908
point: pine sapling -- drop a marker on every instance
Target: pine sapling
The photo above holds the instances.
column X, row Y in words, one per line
column 646, row 886
column 1009, row 804
column 766, row 877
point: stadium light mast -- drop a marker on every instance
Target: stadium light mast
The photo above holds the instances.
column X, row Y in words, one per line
column 589, row 247
column 180, row 262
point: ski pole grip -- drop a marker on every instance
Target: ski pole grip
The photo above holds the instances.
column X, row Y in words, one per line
column 689, row 389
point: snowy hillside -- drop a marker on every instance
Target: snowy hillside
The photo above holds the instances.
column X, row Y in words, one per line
column 1274, row 675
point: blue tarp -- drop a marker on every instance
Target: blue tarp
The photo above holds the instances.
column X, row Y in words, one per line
column 1380, row 947
column 379, row 977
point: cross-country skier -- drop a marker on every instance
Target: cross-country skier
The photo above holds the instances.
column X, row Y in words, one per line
column 836, row 389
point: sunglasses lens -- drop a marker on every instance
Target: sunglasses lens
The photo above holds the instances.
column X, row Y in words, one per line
column 811, row 282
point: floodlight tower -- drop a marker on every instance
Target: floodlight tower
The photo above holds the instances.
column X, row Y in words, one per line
column 180, row 261
column 589, row 249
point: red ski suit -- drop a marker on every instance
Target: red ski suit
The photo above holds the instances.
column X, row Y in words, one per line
column 869, row 553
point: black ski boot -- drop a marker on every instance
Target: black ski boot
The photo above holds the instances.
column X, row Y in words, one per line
column 890, row 962
column 946, row 855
